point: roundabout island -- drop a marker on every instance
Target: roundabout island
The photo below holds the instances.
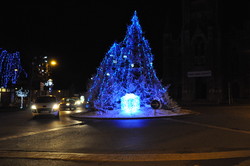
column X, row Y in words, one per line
column 126, row 84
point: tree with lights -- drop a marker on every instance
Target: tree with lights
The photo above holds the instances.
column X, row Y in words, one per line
column 10, row 68
column 126, row 75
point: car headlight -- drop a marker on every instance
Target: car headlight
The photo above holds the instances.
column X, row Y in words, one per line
column 55, row 106
column 67, row 104
column 78, row 102
column 33, row 107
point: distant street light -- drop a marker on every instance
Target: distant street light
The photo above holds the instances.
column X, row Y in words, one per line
column 53, row 62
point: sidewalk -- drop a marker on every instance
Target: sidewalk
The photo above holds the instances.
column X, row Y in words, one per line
column 11, row 109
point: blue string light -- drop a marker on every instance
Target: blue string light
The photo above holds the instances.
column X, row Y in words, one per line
column 127, row 68
column 10, row 68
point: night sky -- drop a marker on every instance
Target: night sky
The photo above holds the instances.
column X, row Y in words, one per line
column 78, row 34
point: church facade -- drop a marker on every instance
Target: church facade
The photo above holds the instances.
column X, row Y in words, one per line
column 209, row 58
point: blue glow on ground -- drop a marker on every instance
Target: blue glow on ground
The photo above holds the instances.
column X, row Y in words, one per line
column 131, row 123
column 130, row 103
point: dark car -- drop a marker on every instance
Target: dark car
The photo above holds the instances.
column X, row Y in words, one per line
column 68, row 103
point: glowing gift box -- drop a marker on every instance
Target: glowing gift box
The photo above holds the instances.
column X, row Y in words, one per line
column 130, row 103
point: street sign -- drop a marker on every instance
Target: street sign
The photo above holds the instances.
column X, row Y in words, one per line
column 207, row 73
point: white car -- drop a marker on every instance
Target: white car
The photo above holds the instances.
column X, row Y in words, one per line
column 45, row 105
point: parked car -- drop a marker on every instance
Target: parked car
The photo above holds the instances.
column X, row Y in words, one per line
column 70, row 103
column 45, row 105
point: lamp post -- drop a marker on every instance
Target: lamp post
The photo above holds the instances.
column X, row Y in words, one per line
column 32, row 74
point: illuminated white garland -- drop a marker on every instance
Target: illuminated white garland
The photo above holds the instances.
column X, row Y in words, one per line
column 22, row 94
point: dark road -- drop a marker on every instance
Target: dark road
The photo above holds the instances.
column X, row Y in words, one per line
column 216, row 136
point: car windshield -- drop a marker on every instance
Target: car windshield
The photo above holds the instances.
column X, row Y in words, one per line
column 45, row 99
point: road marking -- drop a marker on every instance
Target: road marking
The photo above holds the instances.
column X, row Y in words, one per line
column 38, row 132
column 125, row 157
column 212, row 126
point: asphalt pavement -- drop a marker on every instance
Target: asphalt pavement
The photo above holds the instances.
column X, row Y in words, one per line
column 217, row 135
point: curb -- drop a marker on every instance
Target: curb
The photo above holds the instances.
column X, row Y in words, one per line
column 85, row 116
column 126, row 157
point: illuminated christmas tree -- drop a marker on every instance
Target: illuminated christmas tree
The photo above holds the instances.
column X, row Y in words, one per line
column 10, row 68
column 126, row 79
